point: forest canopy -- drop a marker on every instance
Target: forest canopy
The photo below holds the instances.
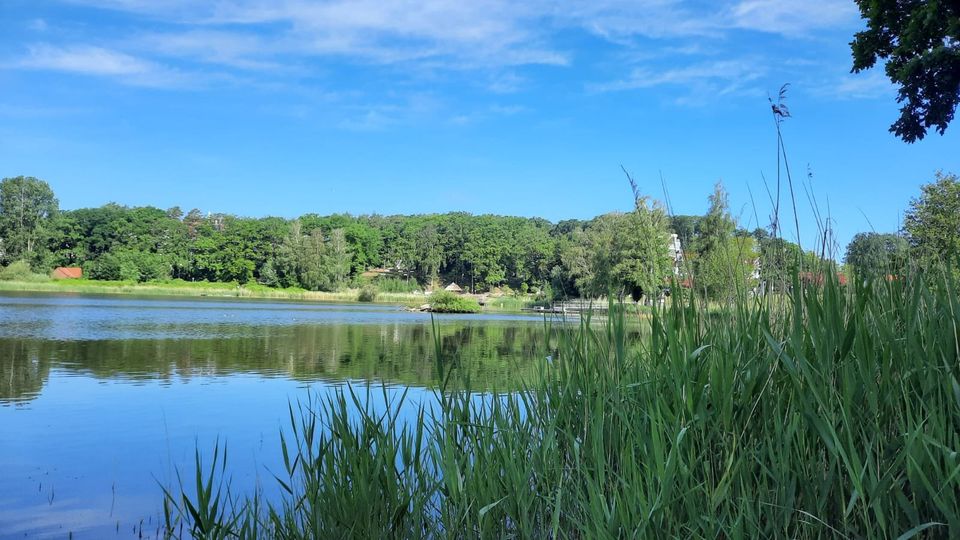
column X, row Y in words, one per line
column 618, row 253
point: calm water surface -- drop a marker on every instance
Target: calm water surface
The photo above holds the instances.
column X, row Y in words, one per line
column 103, row 399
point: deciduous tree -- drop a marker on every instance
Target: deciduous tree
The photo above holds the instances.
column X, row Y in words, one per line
column 26, row 205
column 642, row 260
column 932, row 224
column 920, row 42
column 873, row 254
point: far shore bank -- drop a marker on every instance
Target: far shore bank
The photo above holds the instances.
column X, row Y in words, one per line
column 234, row 290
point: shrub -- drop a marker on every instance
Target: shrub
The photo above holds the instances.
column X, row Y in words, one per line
column 368, row 294
column 447, row 302
column 20, row 271
column 397, row 285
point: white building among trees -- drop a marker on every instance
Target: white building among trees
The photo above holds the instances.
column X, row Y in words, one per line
column 676, row 253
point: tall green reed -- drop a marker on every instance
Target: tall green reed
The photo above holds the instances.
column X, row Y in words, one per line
column 832, row 411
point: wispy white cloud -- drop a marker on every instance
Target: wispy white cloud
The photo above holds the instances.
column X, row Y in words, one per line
column 505, row 82
column 38, row 25
column 245, row 50
column 99, row 61
column 179, row 9
column 868, row 85
column 84, row 59
column 722, row 77
column 393, row 109
column 791, row 18
column 690, row 46
column 492, row 111
column 507, row 110
column 482, row 33
column 620, row 21
column 479, row 33
column 370, row 120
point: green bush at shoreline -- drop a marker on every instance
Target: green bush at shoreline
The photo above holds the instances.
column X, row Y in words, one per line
column 367, row 293
column 21, row 271
column 448, row 302
column 831, row 412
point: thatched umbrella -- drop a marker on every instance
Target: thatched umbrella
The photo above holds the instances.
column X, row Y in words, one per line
column 454, row 288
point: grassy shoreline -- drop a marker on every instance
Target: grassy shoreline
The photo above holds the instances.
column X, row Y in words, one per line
column 234, row 290
column 186, row 288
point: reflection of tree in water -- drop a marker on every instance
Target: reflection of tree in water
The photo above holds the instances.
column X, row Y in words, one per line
column 492, row 355
column 22, row 371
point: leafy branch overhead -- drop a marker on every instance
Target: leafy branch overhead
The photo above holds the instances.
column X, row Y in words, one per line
column 920, row 42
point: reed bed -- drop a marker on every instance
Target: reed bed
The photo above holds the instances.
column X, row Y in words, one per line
column 830, row 412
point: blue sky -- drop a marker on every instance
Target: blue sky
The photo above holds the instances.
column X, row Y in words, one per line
column 283, row 107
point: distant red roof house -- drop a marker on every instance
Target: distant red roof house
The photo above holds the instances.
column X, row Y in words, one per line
column 64, row 272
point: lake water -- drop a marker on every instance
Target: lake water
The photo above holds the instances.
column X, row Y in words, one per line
column 103, row 399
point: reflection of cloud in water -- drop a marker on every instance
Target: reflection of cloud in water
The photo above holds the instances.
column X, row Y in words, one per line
column 55, row 520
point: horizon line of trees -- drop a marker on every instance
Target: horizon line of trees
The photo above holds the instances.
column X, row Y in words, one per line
column 619, row 253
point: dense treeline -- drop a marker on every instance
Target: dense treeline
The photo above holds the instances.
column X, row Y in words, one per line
column 621, row 253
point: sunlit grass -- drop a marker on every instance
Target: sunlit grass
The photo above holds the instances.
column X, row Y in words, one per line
column 513, row 303
column 178, row 287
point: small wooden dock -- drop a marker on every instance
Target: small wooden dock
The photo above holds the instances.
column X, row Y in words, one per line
column 573, row 307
